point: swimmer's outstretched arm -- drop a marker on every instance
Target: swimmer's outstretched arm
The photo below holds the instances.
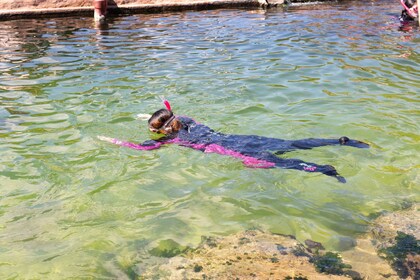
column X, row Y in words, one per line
column 151, row 145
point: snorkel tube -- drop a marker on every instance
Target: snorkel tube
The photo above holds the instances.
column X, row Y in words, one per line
column 166, row 103
column 412, row 12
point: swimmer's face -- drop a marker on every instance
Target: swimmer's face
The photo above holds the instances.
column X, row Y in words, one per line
column 167, row 130
column 154, row 130
column 162, row 122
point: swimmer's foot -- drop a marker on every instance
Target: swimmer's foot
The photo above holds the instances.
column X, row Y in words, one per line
column 353, row 143
column 341, row 179
column 330, row 171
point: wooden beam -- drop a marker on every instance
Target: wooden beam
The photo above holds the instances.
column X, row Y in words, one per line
column 418, row 7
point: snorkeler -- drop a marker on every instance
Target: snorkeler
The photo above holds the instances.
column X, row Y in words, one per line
column 254, row 151
column 410, row 11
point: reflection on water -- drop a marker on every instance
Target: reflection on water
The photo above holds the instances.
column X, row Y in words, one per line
column 75, row 207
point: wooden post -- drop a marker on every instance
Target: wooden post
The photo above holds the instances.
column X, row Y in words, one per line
column 100, row 7
column 418, row 7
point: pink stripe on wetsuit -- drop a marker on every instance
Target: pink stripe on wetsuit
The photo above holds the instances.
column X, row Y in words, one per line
column 254, row 151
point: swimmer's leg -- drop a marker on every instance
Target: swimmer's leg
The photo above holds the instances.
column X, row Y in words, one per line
column 309, row 167
column 297, row 164
column 310, row 143
column 353, row 143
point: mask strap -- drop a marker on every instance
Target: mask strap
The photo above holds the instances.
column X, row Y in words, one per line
column 167, row 123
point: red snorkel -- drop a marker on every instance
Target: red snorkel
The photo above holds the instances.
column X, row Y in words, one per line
column 166, row 103
column 412, row 12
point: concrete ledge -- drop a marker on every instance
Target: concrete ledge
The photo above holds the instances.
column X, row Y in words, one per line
column 129, row 9
column 37, row 13
column 137, row 6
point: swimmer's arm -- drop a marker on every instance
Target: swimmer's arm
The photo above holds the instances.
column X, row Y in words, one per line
column 151, row 145
column 143, row 117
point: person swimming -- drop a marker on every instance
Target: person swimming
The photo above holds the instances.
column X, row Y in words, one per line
column 410, row 11
column 254, row 151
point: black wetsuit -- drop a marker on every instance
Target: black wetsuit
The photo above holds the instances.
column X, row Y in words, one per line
column 254, row 151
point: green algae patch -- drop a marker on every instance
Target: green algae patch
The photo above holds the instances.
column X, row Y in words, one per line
column 390, row 250
column 330, row 263
column 295, row 278
column 168, row 248
column 404, row 255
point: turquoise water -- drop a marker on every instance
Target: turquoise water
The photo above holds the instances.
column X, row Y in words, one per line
column 74, row 207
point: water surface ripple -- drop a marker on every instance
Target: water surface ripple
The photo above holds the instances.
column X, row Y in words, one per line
column 73, row 207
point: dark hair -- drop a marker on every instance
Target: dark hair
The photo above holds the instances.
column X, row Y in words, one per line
column 409, row 3
column 404, row 15
column 158, row 119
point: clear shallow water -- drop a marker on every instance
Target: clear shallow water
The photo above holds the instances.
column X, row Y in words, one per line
column 71, row 206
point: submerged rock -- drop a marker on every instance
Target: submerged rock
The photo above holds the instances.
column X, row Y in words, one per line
column 404, row 255
column 397, row 240
column 253, row 254
column 391, row 249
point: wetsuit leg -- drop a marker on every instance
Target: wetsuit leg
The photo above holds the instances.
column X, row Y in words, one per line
column 291, row 163
column 310, row 143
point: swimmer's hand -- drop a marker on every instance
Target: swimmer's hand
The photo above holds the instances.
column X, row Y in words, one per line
column 143, row 117
column 106, row 139
column 152, row 146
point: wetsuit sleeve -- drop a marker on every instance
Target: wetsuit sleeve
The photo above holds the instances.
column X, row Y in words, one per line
column 148, row 145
